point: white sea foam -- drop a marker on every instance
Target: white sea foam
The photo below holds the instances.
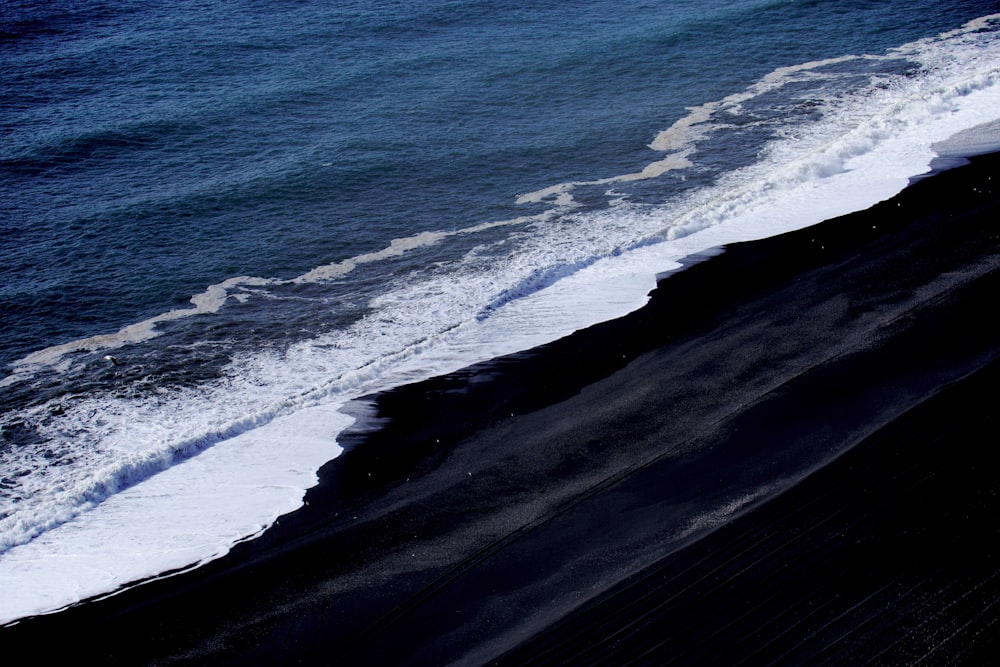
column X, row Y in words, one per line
column 86, row 527
column 395, row 248
column 209, row 301
column 227, row 494
column 215, row 296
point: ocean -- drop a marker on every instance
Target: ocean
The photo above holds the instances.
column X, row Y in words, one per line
column 224, row 222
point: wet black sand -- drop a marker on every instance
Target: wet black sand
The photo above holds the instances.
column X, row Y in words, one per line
column 785, row 458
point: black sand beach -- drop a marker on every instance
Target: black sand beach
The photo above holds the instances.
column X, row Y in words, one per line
column 783, row 459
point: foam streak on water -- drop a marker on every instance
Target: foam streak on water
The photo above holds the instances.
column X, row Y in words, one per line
column 95, row 465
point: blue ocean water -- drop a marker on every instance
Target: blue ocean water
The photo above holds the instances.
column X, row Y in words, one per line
column 219, row 216
column 151, row 151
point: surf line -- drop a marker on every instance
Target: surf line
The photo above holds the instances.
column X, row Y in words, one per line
column 215, row 296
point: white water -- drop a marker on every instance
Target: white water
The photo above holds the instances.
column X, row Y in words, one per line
column 167, row 484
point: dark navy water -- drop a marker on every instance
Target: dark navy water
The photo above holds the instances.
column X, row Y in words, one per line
column 149, row 151
column 219, row 216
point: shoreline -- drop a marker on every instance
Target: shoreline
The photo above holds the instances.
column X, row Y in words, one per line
column 502, row 507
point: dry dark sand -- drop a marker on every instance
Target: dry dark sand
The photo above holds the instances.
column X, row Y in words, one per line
column 784, row 459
